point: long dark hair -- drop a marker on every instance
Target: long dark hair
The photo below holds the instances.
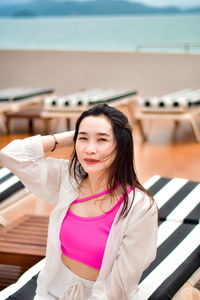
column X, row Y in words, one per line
column 122, row 168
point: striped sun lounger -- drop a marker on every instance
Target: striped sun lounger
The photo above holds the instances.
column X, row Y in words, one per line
column 178, row 254
column 177, row 101
column 11, row 188
column 72, row 105
column 178, row 257
column 183, row 105
column 178, row 199
column 87, row 98
column 15, row 99
column 16, row 94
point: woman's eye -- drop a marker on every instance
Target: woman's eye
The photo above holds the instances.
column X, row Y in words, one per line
column 102, row 140
column 82, row 138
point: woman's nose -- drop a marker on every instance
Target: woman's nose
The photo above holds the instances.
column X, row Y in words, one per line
column 90, row 148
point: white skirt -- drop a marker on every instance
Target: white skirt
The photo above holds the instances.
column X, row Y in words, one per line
column 69, row 286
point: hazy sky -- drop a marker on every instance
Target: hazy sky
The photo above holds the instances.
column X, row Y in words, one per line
column 180, row 3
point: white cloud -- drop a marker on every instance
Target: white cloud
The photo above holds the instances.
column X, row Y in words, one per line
column 160, row 3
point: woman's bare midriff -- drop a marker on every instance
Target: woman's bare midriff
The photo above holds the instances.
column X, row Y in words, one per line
column 80, row 269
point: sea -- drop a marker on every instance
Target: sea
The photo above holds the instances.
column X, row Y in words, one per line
column 155, row 33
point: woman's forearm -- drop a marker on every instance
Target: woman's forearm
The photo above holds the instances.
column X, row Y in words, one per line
column 64, row 139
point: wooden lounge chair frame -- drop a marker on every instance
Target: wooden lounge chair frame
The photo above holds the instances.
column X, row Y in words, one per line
column 15, row 99
column 188, row 115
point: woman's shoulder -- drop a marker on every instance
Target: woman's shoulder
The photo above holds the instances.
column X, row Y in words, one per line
column 141, row 200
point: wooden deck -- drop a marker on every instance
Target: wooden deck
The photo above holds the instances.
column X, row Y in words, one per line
column 22, row 244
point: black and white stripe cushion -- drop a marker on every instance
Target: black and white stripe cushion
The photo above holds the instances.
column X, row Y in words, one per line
column 178, row 257
column 176, row 101
column 9, row 184
column 178, row 199
column 15, row 94
column 86, row 98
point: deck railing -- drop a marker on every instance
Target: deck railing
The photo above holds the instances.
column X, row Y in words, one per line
column 185, row 46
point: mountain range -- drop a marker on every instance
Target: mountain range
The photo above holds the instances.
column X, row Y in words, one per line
column 95, row 7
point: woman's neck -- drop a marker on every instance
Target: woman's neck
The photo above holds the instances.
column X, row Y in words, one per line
column 97, row 184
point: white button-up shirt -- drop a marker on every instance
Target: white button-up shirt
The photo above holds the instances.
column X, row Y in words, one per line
column 131, row 244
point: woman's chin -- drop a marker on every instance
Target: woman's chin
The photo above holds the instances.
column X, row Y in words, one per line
column 92, row 170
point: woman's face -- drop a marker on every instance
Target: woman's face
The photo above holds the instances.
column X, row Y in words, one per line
column 95, row 144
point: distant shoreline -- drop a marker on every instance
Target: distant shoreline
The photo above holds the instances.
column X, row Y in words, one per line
column 100, row 16
column 90, row 8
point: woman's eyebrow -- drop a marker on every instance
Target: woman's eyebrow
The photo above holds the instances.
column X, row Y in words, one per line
column 103, row 133
column 98, row 133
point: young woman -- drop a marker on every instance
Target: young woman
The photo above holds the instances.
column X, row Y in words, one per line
column 103, row 230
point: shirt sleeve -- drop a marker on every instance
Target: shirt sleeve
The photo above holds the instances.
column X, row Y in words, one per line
column 25, row 158
column 136, row 252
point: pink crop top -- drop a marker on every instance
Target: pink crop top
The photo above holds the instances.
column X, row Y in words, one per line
column 84, row 239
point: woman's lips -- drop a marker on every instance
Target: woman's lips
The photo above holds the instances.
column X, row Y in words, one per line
column 90, row 161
